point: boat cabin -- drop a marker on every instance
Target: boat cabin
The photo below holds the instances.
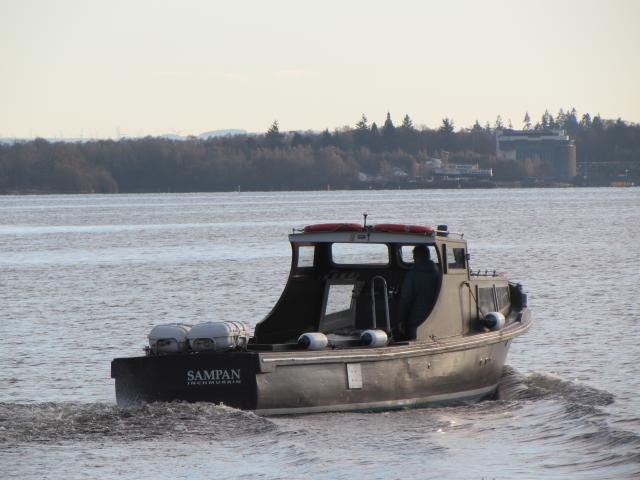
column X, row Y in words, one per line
column 346, row 278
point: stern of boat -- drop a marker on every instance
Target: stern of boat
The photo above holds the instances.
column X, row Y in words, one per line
column 228, row 378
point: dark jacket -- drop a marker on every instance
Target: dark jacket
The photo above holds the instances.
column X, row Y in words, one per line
column 418, row 294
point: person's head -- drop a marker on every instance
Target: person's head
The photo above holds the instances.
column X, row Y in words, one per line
column 421, row 253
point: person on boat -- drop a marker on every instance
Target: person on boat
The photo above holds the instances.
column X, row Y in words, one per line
column 418, row 292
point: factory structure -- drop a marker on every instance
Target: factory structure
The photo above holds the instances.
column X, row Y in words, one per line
column 553, row 147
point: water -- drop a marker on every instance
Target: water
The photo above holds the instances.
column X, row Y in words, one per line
column 84, row 278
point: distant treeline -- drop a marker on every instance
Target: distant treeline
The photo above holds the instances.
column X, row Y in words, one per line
column 301, row 160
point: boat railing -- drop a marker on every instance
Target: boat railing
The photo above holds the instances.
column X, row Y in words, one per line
column 486, row 273
column 447, row 233
column 385, row 296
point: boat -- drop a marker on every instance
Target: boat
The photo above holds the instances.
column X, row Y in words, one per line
column 336, row 339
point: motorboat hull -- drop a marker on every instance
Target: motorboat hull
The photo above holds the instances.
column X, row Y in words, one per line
column 341, row 379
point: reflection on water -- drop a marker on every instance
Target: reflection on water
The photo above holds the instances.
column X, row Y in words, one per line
column 85, row 277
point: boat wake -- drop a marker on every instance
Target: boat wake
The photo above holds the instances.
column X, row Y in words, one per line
column 535, row 386
column 574, row 412
column 56, row 422
column 536, row 408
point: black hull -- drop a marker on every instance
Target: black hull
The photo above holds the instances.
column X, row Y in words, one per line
column 230, row 378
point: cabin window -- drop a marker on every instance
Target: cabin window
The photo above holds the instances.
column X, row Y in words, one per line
column 360, row 254
column 485, row 300
column 406, row 254
column 339, row 308
column 457, row 258
column 338, row 298
column 502, row 295
column 305, row 256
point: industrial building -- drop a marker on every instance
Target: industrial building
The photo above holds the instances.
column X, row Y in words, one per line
column 553, row 147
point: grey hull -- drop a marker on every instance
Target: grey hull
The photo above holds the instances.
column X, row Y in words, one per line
column 394, row 377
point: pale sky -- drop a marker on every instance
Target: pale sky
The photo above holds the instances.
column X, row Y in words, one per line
column 101, row 68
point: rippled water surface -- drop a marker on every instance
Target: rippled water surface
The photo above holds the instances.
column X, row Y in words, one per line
column 84, row 278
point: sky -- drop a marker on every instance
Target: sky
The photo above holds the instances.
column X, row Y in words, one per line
column 103, row 69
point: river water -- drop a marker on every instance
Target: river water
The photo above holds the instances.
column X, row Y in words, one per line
column 83, row 279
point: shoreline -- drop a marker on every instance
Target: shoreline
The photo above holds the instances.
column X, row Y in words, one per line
column 497, row 185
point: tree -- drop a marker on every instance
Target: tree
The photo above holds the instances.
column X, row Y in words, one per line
column 408, row 136
column 407, row 123
column 561, row 119
column 362, row 125
column 597, row 123
column 325, row 138
column 389, row 133
column 527, row 121
column 547, row 120
column 375, row 139
column 298, row 140
column 388, row 123
column 571, row 122
column 476, row 127
column 447, row 126
column 499, row 125
column 361, row 133
column 585, row 122
column 274, row 137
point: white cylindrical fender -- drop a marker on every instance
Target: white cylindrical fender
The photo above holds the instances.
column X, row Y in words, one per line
column 313, row 341
column 494, row 320
column 374, row 338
